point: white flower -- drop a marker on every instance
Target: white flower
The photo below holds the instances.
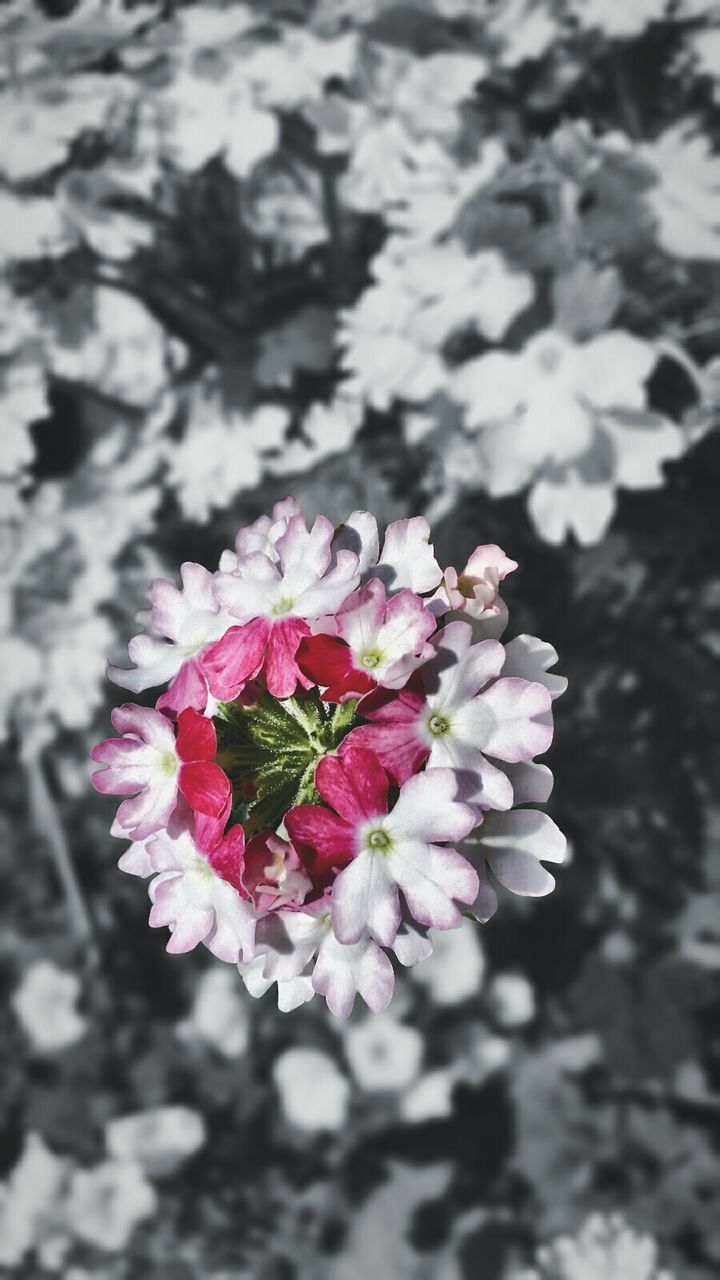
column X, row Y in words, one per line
column 572, row 420
column 105, row 1204
column 686, row 199
column 123, row 351
column 45, row 1004
column 219, row 1016
column 616, row 18
column 429, row 93
column 525, row 28
column 23, row 401
column 455, row 970
column 29, row 1201
column 31, row 227
column 159, row 1140
column 314, row 1095
column 605, row 1248
column 512, row 999
column 205, row 118
column 431, row 1097
column 383, row 1053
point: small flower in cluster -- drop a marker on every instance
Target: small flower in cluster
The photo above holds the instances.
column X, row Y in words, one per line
column 341, row 760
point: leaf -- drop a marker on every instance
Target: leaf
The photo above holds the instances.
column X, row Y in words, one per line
column 586, row 298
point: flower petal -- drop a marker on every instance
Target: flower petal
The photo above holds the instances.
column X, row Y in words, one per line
column 354, row 783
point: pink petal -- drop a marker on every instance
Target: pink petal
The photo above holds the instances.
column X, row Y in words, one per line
column 196, row 736
column 359, row 534
column 322, row 839
column 230, row 663
column 226, row 859
column 206, row 788
column 433, row 880
column 281, row 669
column 305, row 552
column 488, row 556
column 148, row 812
column 427, row 809
column 514, row 844
column 145, row 723
column 355, row 784
column 188, row 689
column 408, row 559
column 396, row 745
column 328, row 662
column 340, row 972
column 168, row 608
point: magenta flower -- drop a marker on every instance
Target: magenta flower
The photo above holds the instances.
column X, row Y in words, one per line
column 153, row 766
column 463, row 715
column 378, row 642
column 190, row 618
column 273, row 874
column 274, row 600
column 386, row 851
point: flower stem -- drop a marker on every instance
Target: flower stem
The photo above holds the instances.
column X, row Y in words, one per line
column 46, row 819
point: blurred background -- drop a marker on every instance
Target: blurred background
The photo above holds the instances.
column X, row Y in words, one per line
column 450, row 257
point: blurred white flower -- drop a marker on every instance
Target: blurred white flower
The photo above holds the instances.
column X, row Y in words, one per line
column 551, row 416
column 204, row 118
column 31, row 227
column 430, row 1097
column 485, row 1056
column 525, row 29
column 292, row 72
column 512, row 1000
column 219, row 1015
column 29, row 1201
column 313, row 1093
column 616, row 18
column 107, row 1203
column 383, row 1053
column 429, row 93
column 686, row 198
column 39, row 121
column 23, row 400
column 604, row 1248
column 45, row 1005
column 108, row 339
column 159, row 1140
column 222, row 451
column 456, row 969
column 88, row 200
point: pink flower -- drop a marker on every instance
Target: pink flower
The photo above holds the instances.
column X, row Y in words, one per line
column 379, row 642
column 199, row 895
column 513, row 845
column 474, row 592
column 386, row 851
column 463, row 715
column 274, row 599
column 407, row 560
column 149, row 763
column 190, row 618
column 273, row 874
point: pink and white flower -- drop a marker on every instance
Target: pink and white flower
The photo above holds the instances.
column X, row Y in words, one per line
column 379, row 642
column 344, row 668
column 463, row 714
column 198, row 895
column 190, row 618
column 274, row 600
column 514, row 846
column 475, row 591
column 154, row 767
column 386, row 851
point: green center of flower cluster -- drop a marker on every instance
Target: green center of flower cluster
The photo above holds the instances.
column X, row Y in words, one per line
column 270, row 752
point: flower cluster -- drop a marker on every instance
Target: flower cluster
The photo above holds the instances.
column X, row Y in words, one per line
column 342, row 758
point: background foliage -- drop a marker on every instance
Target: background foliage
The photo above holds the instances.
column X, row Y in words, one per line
column 453, row 257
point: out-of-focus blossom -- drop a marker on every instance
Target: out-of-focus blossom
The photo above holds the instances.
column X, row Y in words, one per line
column 31, row 227
column 204, row 118
column 159, row 1141
column 685, row 201
column 222, row 451
column 456, row 969
column 551, row 417
column 23, row 400
column 383, row 1054
column 512, row 1000
column 430, row 1097
column 618, row 20
column 114, row 344
column 45, row 1003
column 314, row 1094
column 219, row 1015
column 604, row 1248
column 38, row 124
column 106, row 1204
column 30, row 1201
column 524, row 29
